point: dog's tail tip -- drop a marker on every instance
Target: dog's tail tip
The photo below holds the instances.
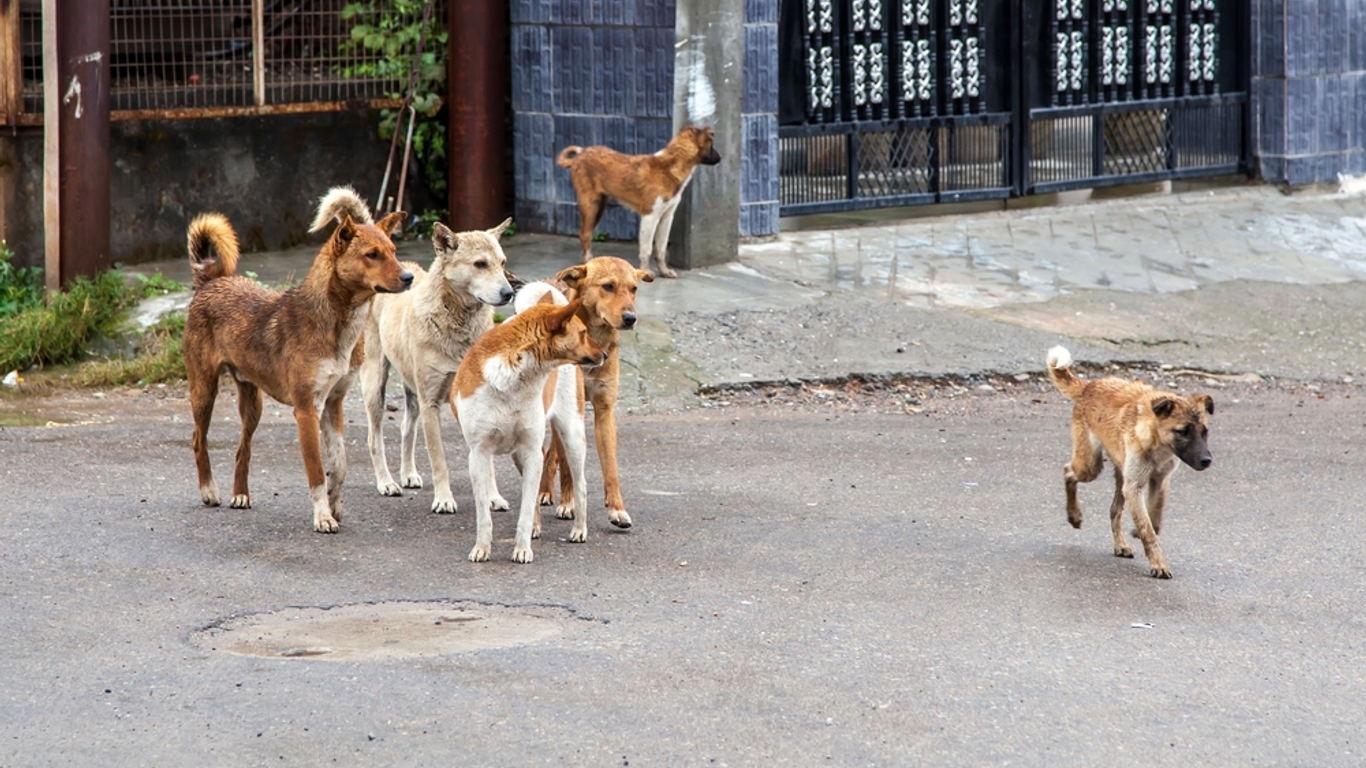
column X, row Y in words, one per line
column 1059, row 358
column 341, row 200
column 568, row 155
column 538, row 292
column 213, row 248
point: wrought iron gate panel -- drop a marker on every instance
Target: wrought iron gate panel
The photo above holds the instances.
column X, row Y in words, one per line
column 907, row 102
column 923, row 101
column 1126, row 91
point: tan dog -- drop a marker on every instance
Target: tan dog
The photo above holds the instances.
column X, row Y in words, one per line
column 606, row 287
column 498, row 400
column 423, row 335
column 650, row 185
column 1144, row 431
column 299, row 346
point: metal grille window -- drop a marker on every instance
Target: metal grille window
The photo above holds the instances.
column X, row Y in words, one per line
column 200, row 58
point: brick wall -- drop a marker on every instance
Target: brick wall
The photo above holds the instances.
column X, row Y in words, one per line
column 1309, row 89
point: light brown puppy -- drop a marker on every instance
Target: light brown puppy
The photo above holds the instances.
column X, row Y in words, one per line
column 606, row 287
column 1144, row 431
column 299, row 346
column 650, row 185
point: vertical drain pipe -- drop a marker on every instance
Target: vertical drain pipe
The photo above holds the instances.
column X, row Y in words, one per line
column 477, row 136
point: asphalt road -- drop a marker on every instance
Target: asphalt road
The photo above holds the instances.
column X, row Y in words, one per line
column 813, row 579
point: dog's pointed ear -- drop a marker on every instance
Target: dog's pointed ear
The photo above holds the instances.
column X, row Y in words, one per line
column 1204, row 401
column 572, row 276
column 346, row 230
column 1162, row 407
column 392, row 224
column 561, row 316
column 645, row 276
column 444, row 238
column 498, row 231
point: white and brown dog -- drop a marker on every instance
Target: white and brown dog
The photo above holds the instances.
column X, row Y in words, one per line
column 650, row 185
column 498, row 398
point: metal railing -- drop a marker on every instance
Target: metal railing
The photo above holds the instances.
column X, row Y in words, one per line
column 217, row 58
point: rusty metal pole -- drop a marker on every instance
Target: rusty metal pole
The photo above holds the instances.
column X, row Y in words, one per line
column 477, row 137
column 82, row 70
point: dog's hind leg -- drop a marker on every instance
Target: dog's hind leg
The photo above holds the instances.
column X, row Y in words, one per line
column 568, row 425
column 203, row 393
column 649, row 223
column 1122, row 548
column 374, row 376
column 549, row 466
column 528, row 458
column 1084, row 467
column 408, row 440
column 591, row 208
column 249, row 409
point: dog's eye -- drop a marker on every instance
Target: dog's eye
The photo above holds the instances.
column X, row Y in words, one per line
column 481, row 265
column 372, row 255
column 1184, row 431
column 609, row 287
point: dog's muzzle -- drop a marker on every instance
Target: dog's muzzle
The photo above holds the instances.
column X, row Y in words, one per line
column 628, row 321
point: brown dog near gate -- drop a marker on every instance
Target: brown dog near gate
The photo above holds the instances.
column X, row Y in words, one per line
column 650, row 185
column 1144, row 431
column 299, row 346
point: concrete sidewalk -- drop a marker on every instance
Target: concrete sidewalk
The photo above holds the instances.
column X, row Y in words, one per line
column 1232, row 280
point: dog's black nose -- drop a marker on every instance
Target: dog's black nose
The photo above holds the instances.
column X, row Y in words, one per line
column 406, row 278
column 628, row 320
column 506, row 294
column 1205, row 461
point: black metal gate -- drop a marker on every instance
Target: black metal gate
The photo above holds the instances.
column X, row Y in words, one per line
column 905, row 102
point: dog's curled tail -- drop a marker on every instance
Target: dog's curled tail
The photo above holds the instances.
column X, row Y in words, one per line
column 213, row 248
column 568, row 155
column 338, row 201
column 1060, row 371
column 537, row 293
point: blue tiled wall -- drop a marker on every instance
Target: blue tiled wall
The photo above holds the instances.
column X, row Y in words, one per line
column 601, row 72
column 1309, row 89
column 759, row 117
column 586, row 72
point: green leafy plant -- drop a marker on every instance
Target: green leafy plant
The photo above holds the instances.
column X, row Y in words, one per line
column 21, row 288
column 59, row 331
column 157, row 284
column 388, row 35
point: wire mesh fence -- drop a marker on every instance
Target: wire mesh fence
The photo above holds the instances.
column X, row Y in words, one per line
column 200, row 58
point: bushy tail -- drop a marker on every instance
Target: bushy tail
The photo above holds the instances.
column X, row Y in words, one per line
column 1060, row 371
column 338, row 201
column 538, row 293
column 213, row 248
column 568, row 155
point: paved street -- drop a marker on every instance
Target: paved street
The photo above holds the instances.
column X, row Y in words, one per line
column 820, row 572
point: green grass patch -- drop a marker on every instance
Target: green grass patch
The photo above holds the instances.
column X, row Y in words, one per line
column 59, row 331
column 21, row 288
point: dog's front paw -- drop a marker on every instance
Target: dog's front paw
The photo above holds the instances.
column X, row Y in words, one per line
column 443, row 506
column 241, row 501
column 619, row 518
column 412, row 480
column 1124, row 552
column 1159, row 572
column 325, row 524
column 579, row 533
column 209, row 494
column 521, row 554
column 499, row 504
column 565, row 512
column 666, row 272
column 389, row 488
column 480, row 553
column 546, row 499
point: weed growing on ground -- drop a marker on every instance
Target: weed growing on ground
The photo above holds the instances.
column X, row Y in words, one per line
column 159, row 360
column 58, row 332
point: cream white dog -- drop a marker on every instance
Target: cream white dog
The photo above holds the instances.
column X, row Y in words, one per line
column 423, row 334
